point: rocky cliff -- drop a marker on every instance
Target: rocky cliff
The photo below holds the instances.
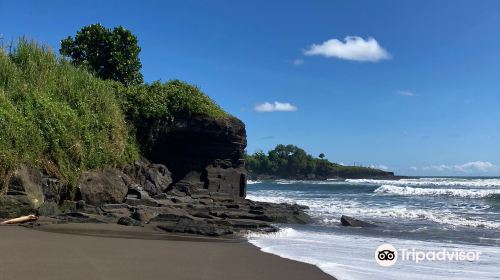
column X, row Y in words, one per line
column 204, row 154
column 195, row 183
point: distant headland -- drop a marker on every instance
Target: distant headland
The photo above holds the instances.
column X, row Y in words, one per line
column 292, row 162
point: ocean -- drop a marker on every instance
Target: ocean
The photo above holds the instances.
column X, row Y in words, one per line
column 426, row 215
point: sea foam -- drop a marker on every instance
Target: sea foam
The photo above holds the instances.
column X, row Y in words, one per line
column 351, row 257
column 457, row 182
column 467, row 193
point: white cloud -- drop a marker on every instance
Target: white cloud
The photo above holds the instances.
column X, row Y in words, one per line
column 405, row 93
column 267, row 107
column 297, row 62
column 379, row 166
column 353, row 48
column 467, row 167
column 475, row 165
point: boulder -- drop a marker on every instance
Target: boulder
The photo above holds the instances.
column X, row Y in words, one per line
column 353, row 222
column 103, row 187
column 152, row 178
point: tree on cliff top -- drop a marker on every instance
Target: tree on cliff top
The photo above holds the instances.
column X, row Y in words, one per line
column 110, row 54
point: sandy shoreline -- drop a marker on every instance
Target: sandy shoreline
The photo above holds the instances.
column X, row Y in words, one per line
column 115, row 252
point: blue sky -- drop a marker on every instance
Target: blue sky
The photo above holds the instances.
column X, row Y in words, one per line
column 416, row 88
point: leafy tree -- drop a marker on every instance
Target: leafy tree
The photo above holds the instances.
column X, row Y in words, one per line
column 110, row 54
column 289, row 161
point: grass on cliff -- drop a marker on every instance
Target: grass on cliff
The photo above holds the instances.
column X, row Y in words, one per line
column 153, row 107
column 167, row 101
column 57, row 117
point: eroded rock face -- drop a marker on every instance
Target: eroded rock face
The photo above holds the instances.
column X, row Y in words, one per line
column 201, row 153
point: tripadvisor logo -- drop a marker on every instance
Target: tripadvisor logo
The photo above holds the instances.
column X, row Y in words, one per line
column 387, row 255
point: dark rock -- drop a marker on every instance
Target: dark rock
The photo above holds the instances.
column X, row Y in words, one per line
column 80, row 204
column 201, row 227
column 281, row 213
column 229, row 181
column 138, row 202
column 161, row 196
column 102, row 187
column 172, row 214
column 28, row 181
column 135, row 191
column 200, row 151
column 12, row 206
column 145, row 214
column 53, row 189
column 127, row 221
column 184, row 188
column 221, row 197
column 68, row 206
column 185, row 200
column 353, row 222
column 113, row 207
column 77, row 217
column 251, row 224
column 205, row 201
column 49, row 208
column 153, row 178
column 176, row 192
column 201, row 214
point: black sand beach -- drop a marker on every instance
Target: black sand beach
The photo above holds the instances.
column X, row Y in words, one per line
column 116, row 252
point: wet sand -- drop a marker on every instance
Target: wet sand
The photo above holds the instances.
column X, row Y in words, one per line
column 99, row 251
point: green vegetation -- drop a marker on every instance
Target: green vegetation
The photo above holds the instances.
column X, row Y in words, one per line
column 110, row 54
column 167, row 101
column 65, row 120
column 150, row 107
column 56, row 116
column 293, row 162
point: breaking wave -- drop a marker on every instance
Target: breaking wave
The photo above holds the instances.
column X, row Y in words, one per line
column 466, row 193
column 328, row 211
column 444, row 182
column 252, row 182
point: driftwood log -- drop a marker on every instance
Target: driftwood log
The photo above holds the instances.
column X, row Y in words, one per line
column 20, row 220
